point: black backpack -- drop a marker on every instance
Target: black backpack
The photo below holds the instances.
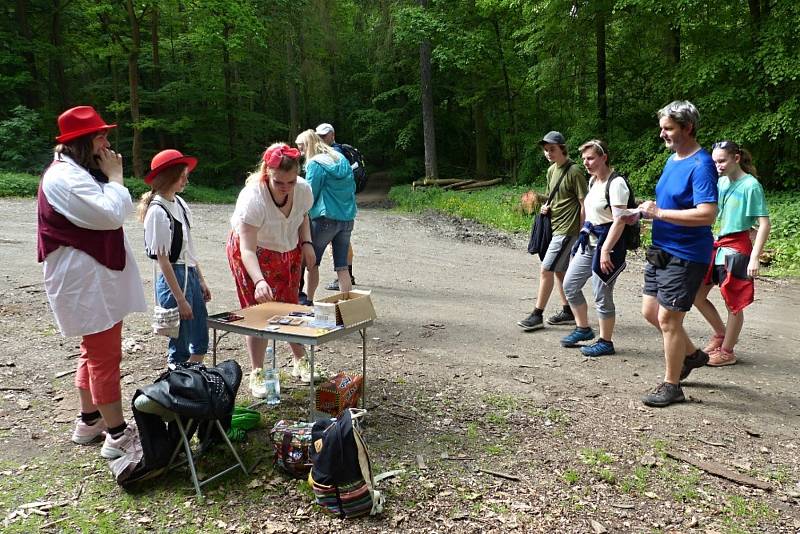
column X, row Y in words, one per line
column 633, row 232
column 357, row 163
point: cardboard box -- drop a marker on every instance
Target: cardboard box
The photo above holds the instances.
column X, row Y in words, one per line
column 347, row 309
column 339, row 393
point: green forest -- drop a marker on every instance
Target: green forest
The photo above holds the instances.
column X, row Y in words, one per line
column 221, row 79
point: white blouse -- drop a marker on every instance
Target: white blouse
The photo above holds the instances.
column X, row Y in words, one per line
column 157, row 234
column 276, row 231
column 86, row 297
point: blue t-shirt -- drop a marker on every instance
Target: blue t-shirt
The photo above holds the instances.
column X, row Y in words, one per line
column 683, row 185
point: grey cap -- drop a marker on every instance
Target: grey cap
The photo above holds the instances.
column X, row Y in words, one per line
column 553, row 138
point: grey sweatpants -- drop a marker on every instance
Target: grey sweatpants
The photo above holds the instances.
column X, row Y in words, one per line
column 578, row 272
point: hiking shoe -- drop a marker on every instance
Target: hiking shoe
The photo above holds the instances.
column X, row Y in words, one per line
column 118, row 447
column 664, row 395
column 302, row 370
column 531, row 322
column 85, row 434
column 714, row 343
column 601, row 347
column 721, row 357
column 693, row 361
column 257, row 388
column 562, row 317
column 579, row 334
column 334, row 286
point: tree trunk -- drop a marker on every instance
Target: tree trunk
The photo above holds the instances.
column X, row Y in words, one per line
column 428, row 125
column 291, row 89
column 509, row 101
column 226, row 68
column 31, row 96
column 674, row 44
column 154, row 41
column 56, row 62
column 133, row 84
column 481, row 142
column 602, row 103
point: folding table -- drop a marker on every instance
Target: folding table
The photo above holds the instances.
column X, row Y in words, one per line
column 254, row 322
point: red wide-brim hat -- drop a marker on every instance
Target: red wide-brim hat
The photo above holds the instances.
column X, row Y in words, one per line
column 79, row 121
column 166, row 159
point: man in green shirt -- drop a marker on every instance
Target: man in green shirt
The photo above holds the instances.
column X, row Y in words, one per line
column 567, row 215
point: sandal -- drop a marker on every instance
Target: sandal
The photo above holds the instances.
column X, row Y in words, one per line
column 715, row 343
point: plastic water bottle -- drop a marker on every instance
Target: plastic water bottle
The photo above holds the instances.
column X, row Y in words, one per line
column 272, row 381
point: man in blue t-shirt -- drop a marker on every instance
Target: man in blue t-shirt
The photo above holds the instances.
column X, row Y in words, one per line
column 683, row 212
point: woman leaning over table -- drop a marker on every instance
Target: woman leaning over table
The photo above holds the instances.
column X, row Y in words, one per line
column 269, row 239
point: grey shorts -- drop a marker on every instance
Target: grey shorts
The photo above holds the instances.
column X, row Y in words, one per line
column 557, row 257
column 676, row 284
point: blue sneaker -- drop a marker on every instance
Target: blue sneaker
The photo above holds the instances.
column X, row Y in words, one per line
column 577, row 335
column 601, row 347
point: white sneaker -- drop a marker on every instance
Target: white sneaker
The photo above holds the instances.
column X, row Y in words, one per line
column 257, row 388
column 124, row 444
column 302, row 370
column 85, row 434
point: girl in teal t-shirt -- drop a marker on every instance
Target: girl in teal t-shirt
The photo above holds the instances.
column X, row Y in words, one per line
column 741, row 207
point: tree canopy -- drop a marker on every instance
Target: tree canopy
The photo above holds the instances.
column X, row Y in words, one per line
column 221, row 79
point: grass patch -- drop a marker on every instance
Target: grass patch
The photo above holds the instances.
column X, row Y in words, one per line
column 21, row 185
column 636, row 481
column 682, row 484
column 596, row 457
column 499, row 207
column 745, row 515
column 571, row 477
column 554, row 415
column 507, row 403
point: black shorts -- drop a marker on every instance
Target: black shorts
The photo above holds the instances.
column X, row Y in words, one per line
column 675, row 285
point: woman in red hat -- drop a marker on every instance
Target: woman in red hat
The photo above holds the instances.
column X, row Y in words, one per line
column 90, row 273
column 270, row 237
column 168, row 240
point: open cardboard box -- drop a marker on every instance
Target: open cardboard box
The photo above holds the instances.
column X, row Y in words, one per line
column 347, row 309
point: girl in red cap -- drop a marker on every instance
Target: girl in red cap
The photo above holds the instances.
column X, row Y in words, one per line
column 168, row 240
column 270, row 237
column 90, row 273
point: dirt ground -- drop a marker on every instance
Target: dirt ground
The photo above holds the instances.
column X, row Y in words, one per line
column 455, row 389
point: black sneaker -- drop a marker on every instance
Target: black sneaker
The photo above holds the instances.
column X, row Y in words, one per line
column 561, row 317
column 664, row 395
column 531, row 322
column 693, row 361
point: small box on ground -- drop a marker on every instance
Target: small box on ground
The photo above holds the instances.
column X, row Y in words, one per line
column 347, row 309
column 339, row 393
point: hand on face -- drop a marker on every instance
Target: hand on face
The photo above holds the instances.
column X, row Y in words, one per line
column 107, row 160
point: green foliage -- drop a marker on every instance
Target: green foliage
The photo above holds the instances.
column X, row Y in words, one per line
column 498, row 207
column 27, row 185
column 222, row 79
column 22, row 146
column 17, row 184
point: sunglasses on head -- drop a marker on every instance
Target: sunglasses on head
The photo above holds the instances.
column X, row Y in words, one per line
column 730, row 146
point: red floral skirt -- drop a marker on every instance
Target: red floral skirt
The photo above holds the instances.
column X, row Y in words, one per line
column 281, row 270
